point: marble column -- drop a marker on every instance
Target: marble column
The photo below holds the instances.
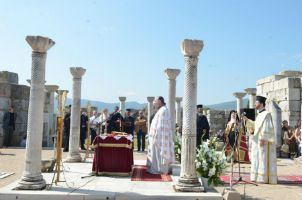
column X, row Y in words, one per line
column 252, row 96
column 172, row 75
column 150, row 110
column 178, row 110
column 188, row 180
column 51, row 115
column 239, row 96
column 74, row 138
column 122, row 105
column 32, row 178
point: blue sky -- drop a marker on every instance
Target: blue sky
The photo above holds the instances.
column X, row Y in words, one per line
column 126, row 45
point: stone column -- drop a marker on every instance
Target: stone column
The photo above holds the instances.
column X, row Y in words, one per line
column 239, row 96
column 188, row 180
column 252, row 96
column 171, row 75
column 74, row 138
column 150, row 110
column 32, row 178
column 178, row 110
column 51, row 116
column 122, row 105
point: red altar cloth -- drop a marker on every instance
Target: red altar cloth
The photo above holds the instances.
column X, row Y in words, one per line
column 112, row 156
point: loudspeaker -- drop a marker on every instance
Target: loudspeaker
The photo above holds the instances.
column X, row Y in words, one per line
column 250, row 113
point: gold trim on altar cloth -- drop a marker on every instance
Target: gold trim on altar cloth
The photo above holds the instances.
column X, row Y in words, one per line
column 128, row 146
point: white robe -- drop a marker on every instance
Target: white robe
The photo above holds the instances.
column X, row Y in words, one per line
column 263, row 158
column 161, row 144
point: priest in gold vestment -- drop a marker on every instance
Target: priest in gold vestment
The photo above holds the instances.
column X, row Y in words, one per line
column 263, row 145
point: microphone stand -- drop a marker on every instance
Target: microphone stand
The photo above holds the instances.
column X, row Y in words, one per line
column 237, row 147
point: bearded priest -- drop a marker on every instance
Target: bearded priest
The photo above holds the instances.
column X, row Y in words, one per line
column 161, row 145
column 263, row 145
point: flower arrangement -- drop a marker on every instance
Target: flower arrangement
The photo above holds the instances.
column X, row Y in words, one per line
column 177, row 148
column 210, row 163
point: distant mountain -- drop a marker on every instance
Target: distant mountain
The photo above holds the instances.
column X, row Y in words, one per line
column 230, row 105
column 102, row 105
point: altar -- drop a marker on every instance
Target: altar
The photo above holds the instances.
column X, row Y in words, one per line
column 113, row 154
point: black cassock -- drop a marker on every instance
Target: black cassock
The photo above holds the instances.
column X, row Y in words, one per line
column 129, row 124
column 112, row 124
column 201, row 124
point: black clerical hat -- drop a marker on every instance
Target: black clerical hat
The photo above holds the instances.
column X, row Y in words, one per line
column 128, row 109
column 199, row 106
column 261, row 99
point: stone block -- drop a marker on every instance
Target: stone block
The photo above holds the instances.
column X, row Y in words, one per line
column 25, row 104
column 20, row 92
column 279, row 95
column 21, row 128
column 294, row 94
column 4, row 103
column 9, row 77
column 5, row 90
column 291, row 73
column 287, row 82
column 269, row 79
column 268, row 87
column 21, row 117
column 291, row 106
column 259, row 89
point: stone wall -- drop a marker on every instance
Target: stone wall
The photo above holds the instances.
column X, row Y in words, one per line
column 217, row 120
column 17, row 96
column 11, row 93
column 285, row 90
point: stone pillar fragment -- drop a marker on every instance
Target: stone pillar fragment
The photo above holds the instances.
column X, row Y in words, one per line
column 252, row 96
column 188, row 180
column 150, row 110
column 275, row 111
column 171, row 75
column 239, row 96
column 122, row 105
column 178, row 111
column 74, row 139
column 32, row 178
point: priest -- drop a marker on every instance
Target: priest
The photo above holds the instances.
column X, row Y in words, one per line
column 161, row 145
column 263, row 149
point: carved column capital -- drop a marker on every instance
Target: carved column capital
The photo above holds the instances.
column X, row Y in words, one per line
column 172, row 73
column 77, row 72
column 191, row 48
column 39, row 44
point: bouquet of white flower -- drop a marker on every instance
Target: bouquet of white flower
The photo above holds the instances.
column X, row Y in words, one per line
column 210, row 163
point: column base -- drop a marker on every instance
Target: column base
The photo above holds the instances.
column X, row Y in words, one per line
column 31, row 183
column 73, row 158
column 189, row 185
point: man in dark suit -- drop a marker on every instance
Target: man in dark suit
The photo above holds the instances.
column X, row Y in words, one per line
column 202, row 126
column 128, row 122
column 8, row 126
column 67, row 128
column 114, row 120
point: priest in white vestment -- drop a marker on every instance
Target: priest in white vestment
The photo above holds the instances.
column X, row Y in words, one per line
column 263, row 145
column 161, row 144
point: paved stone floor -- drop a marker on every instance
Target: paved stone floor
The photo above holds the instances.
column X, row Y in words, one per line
column 12, row 160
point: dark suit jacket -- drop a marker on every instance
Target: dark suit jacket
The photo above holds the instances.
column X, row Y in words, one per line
column 6, row 120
